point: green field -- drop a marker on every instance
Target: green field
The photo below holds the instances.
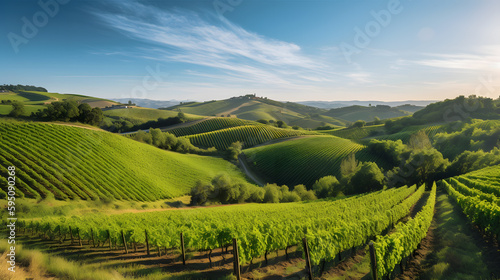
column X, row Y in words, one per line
column 304, row 160
column 141, row 115
column 355, row 133
column 72, row 162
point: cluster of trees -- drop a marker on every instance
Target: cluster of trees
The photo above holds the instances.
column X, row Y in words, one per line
column 17, row 109
column 70, row 111
column 168, row 141
column 459, row 109
column 279, row 123
column 17, row 88
column 222, row 189
column 122, row 124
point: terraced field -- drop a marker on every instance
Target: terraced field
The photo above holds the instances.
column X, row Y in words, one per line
column 304, row 160
column 72, row 162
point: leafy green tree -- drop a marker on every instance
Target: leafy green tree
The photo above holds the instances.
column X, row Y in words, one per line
column 281, row 124
column 272, row 193
column 17, row 109
column 96, row 116
column 235, row 150
column 84, row 111
column 367, row 177
column 303, row 193
column 348, row 165
column 419, row 141
column 327, row 186
column 359, row 124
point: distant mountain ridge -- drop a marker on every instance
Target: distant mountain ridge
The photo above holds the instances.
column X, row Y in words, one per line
column 340, row 104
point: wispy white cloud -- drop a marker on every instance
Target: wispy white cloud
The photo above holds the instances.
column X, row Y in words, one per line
column 485, row 58
column 183, row 36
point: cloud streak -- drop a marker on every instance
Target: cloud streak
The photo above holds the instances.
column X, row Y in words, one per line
column 183, row 36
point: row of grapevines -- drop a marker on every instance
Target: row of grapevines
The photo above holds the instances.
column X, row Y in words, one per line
column 480, row 185
column 208, row 125
column 259, row 228
column 471, row 191
column 483, row 213
column 326, row 244
column 250, row 135
column 392, row 248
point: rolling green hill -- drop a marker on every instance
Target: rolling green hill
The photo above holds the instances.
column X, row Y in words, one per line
column 36, row 100
column 303, row 160
column 73, row 162
column 254, row 108
column 249, row 135
column 141, row 115
column 354, row 113
column 355, row 133
column 210, row 124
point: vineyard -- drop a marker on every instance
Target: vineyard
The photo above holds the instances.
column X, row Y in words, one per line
column 478, row 195
column 330, row 226
column 249, row 135
column 405, row 134
column 356, row 133
column 211, row 124
column 69, row 162
column 303, row 161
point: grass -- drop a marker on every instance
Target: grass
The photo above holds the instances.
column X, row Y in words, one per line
column 142, row 115
column 43, row 266
column 456, row 255
column 354, row 113
column 304, row 160
column 71, row 162
column 355, row 133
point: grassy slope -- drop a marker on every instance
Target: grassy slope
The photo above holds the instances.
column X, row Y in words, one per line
column 73, row 161
column 355, row 133
column 304, row 160
column 354, row 113
column 143, row 114
column 255, row 109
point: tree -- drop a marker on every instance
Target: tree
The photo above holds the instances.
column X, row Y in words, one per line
column 281, row 124
column 181, row 116
column 272, row 194
column 368, row 177
column 235, row 150
column 359, row 124
column 419, row 141
column 376, row 120
column 303, row 193
column 327, row 186
column 348, row 165
column 17, row 109
column 84, row 111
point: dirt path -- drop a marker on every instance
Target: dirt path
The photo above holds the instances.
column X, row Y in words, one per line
column 244, row 165
column 228, row 112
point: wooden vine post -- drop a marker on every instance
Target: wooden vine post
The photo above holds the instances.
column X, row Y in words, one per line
column 236, row 255
column 373, row 261
column 71, row 234
column 308, row 259
column 79, row 238
column 109, row 237
column 147, row 241
column 183, row 250
column 124, row 243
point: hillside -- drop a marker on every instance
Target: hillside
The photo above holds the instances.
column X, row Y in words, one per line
column 304, row 160
column 368, row 114
column 72, row 162
column 35, row 100
column 250, row 107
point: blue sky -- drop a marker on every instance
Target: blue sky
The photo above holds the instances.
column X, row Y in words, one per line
column 286, row 50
